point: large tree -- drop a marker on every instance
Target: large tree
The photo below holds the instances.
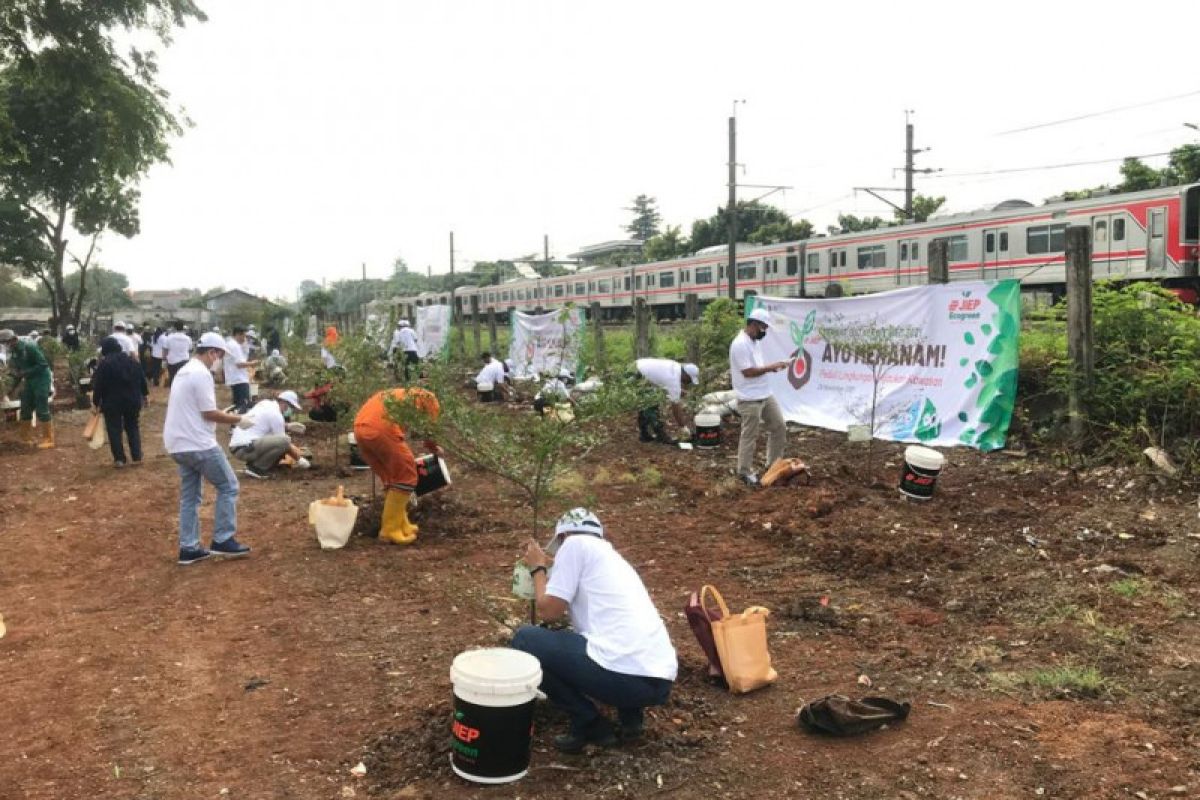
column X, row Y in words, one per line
column 646, row 218
column 752, row 216
column 80, row 126
column 924, row 207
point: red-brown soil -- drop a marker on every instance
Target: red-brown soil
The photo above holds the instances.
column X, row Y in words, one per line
column 126, row 676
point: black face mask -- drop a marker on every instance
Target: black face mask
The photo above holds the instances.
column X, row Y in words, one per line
column 760, row 334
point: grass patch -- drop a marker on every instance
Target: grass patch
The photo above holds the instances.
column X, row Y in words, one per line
column 651, row 476
column 569, row 483
column 1068, row 679
column 1129, row 588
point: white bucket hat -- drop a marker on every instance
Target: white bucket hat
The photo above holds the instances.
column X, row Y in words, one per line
column 212, row 340
column 693, row 372
column 760, row 315
column 577, row 520
column 290, row 398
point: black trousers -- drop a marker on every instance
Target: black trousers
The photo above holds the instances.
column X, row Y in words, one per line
column 410, row 358
column 172, row 369
column 155, row 370
column 650, row 425
column 125, row 419
column 241, row 396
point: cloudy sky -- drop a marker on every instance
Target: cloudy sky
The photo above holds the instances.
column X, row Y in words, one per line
column 331, row 135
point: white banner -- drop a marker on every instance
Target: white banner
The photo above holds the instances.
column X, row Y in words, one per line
column 932, row 364
column 542, row 344
column 433, row 330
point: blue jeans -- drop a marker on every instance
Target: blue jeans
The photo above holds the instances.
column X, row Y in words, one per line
column 571, row 679
column 212, row 466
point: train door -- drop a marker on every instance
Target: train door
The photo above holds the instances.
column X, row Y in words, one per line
column 1156, row 239
column 1109, row 255
column 908, row 264
column 996, row 263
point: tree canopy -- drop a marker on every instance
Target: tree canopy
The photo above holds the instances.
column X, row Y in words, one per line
column 1183, row 166
column 646, row 218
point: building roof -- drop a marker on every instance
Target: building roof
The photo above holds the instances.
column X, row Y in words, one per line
column 604, row 248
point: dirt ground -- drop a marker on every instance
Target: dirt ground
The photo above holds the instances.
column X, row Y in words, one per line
column 1041, row 623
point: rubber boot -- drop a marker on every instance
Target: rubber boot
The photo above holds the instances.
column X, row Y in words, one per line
column 47, row 436
column 395, row 526
column 28, row 434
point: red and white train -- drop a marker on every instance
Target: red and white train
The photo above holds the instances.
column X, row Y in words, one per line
column 1150, row 235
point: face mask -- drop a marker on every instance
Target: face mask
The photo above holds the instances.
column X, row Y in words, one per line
column 761, row 334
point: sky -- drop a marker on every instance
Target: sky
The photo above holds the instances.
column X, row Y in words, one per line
column 329, row 136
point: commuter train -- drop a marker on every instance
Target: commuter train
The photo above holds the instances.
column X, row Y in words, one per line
column 1150, row 235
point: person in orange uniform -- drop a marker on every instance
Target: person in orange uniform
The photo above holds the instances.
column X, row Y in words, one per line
column 382, row 445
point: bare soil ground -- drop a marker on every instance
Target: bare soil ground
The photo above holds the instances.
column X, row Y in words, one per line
column 1041, row 623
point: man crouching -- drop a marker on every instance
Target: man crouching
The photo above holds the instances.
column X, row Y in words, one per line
column 619, row 652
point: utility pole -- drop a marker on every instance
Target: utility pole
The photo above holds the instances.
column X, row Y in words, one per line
column 909, row 171
column 452, row 255
column 731, row 268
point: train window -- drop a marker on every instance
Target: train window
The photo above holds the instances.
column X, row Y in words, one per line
column 989, row 242
column 703, row 275
column 602, row 287
column 666, row 279
column 746, row 270
column 872, row 256
column 1191, row 214
column 580, row 288
column 793, row 265
column 904, row 251
column 637, row 281
column 814, row 263
column 916, row 251
column 1118, row 232
column 650, row 281
column 956, row 247
column 559, row 290
column 627, row 284
column 721, row 273
column 1003, row 241
column 1045, row 239
column 1101, row 231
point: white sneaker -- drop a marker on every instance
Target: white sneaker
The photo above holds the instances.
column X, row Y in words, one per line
column 302, row 463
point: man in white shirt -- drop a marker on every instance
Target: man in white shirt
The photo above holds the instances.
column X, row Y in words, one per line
column 671, row 377
column 756, row 406
column 266, row 441
column 189, row 434
column 177, row 349
column 491, row 374
column 405, row 341
column 156, row 355
column 127, row 345
column 618, row 653
column 554, row 392
column 237, row 378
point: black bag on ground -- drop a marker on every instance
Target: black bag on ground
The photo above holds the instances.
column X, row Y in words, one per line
column 837, row 715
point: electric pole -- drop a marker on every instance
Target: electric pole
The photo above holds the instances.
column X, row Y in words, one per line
column 452, row 257
column 731, row 269
column 908, row 167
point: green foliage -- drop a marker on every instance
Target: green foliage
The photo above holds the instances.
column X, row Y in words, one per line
column 1183, row 167
column 848, row 223
column 531, row 453
column 318, row 302
column 779, row 231
column 666, row 245
column 15, row 293
column 751, row 216
column 1145, row 389
column 1137, row 177
column 1129, row 588
column 646, row 218
column 923, row 208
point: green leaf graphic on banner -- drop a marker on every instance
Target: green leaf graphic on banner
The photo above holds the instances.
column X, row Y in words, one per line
column 969, row 337
column 797, row 334
column 810, row 322
column 928, row 425
column 998, row 389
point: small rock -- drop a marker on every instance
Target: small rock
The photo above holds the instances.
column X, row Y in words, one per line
column 864, row 680
column 348, row 791
column 358, row 770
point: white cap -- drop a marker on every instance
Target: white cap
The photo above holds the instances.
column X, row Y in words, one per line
column 213, row 340
column 403, row 323
column 760, row 315
column 275, row 352
column 118, row 324
column 693, row 372
column 216, row 328
column 565, row 373
column 290, row 398
column 577, row 520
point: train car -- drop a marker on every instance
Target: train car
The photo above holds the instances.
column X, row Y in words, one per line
column 1150, row 235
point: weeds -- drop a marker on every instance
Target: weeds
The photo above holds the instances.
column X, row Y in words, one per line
column 1068, row 679
column 1129, row 588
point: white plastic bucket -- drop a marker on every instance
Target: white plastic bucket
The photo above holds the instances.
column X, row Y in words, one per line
column 919, row 477
column 708, row 430
column 494, row 692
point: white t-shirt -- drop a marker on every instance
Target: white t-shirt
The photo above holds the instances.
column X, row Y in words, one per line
column 268, row 421
column 156, row 346
column 492, row 372
column 744, row 354
column 192, row 393
column 663, row 373
column 234, row 355
column 137, row 340
column 127, row 345
column 408, row 340
column 609, row 606
column 178, row 347
column 554, row 389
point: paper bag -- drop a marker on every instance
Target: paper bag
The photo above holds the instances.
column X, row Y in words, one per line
column 741, row 641
column 90, row 428
column 99, row 438
column 701, row 622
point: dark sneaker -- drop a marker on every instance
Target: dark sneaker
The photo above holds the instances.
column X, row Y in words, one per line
column 632, row 732
column 229, row 547
column 190, row 555
column 600, row 734
column 253, row 473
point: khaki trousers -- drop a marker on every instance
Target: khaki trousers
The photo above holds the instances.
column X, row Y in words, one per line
column 756, row 413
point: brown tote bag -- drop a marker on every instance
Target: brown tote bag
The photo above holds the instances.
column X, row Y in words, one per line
column 90, row 427
column 742, row 644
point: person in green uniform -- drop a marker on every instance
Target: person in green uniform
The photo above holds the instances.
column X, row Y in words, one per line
column 28, row 363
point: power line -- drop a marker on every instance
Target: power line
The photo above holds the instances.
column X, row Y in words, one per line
column 1043, row 167
column 1098, row 113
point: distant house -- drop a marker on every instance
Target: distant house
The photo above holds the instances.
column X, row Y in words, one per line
column 235, row 300
column 620, row 251
column 165, row 299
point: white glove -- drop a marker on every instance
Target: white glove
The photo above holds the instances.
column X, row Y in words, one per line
column 295, row 427
column 302, row 463
column 245, row 422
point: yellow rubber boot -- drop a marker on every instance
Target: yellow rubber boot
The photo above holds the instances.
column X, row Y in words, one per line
column 47, row 436
column 28, row 434
column 395, row 526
